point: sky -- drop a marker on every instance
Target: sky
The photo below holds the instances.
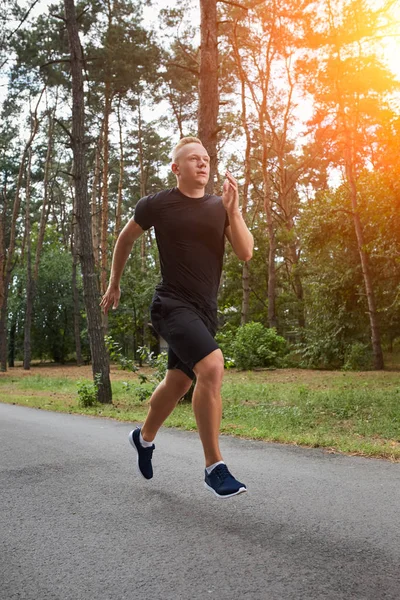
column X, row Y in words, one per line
column 389, row 46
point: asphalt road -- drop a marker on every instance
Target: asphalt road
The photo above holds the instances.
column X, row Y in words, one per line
column 78, row 523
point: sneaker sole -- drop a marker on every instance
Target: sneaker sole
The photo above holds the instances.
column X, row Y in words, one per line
column 132, row 442
column 240, row 491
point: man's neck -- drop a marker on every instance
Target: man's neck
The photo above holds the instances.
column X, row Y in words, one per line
column 190, row 191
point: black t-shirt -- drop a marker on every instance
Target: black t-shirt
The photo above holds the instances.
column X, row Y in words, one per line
column 190, row 239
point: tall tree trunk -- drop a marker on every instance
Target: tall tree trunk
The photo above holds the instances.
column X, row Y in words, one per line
column 11, row 248
column 295, row 277
column 100, row 362
column 272, row 318
column 247, row 176
column 143, row 185
column 11, row 344
column 121, row 175
column 104, row 206
column 29, row 279
column 77, row 315
column 46, row 185
column 260, row 99
column 96, row 212
column 208, row 85
column 75, row 291
column 373, row 315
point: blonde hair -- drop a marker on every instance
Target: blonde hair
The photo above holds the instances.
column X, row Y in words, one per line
column 182, row 142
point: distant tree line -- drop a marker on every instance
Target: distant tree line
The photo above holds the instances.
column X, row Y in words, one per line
column 291, row 96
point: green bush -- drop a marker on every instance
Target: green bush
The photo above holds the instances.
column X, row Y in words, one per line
column 256, row 346
column 160, row 365
column 146, row 386
column 87, row 392
column 143, row 390
column 321, row 350
column 115, row 352
column 225, row 338
column 358, row 357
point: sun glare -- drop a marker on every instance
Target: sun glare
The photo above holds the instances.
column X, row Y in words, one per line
column 388, row 47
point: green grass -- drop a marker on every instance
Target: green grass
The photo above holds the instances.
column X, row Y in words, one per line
column 347, row 412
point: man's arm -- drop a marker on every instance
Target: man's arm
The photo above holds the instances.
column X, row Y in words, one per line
column 237, row 232
column 130, row 233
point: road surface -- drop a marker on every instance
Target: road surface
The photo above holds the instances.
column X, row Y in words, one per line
column 78, row 523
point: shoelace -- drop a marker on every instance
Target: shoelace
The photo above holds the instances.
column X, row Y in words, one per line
column 222, row 472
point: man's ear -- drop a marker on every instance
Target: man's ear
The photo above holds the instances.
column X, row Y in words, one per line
column 175, row 168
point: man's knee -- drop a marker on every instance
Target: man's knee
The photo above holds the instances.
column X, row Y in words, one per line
column 212, row 366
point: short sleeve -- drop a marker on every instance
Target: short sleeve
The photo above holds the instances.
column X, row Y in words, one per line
column 143, row 216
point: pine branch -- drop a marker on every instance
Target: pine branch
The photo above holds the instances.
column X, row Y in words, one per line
column 184, row 67
column 61, row 124
column 26, row 15
column 55, row 62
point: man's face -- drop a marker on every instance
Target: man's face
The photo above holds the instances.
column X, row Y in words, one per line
column 192, row 165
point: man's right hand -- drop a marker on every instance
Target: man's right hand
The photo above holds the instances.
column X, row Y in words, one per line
column 111, row 297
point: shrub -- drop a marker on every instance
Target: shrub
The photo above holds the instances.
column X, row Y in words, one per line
column 146, row 386
column 143, row 390
column 321, row 350
column 115, row 352
column 87, row 392
column 225, row 338
column 256, row 346
column 160, row 364
column 358, row 357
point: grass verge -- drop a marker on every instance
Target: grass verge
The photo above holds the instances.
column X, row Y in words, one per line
column 355, row 413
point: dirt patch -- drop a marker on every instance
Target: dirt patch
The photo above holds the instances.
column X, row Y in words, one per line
column 69, row 372
column 308, row 377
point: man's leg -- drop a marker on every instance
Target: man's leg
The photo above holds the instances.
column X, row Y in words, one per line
column 207, row 403
column 163, row 401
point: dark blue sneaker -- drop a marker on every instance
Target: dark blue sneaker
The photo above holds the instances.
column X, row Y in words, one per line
column 222, row 483
column 144, row 454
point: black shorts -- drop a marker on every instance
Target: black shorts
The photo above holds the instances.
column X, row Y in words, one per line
column 189, row 333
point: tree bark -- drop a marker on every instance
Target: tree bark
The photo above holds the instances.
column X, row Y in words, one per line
column 104, row 206
column 143, row 187
column 96, row 212
column 244, row 317
column 29, row 279
column 208, row 85
column 75, row 292
column 118, row 210
column 272, row 318
column 100, row 362
column 373, row 315
column 11, row 344
column 293, row 254
column 260, row 98
column 77, row 315
column 45, row 212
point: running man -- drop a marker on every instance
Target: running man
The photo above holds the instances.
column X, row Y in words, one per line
column 190, row 228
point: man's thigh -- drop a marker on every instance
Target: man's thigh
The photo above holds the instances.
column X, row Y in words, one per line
column 188, row 337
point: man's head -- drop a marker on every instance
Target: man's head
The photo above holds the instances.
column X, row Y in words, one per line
column 191, row 163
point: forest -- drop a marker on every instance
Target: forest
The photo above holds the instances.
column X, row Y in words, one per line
column 298, row 98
